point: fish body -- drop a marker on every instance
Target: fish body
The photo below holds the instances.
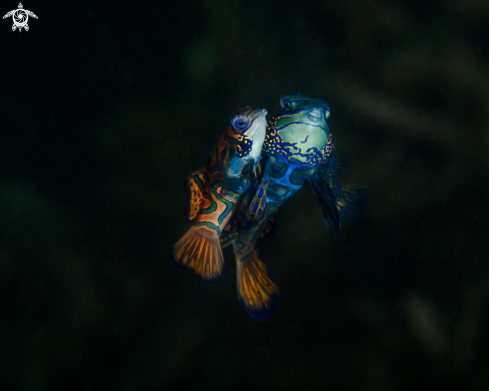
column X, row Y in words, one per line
column 213, row 192
column 297, row 149
column 300, row 134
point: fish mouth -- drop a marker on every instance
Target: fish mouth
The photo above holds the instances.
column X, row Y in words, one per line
column 263, row 116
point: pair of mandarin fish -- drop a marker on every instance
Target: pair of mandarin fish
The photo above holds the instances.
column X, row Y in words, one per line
column 253, row 170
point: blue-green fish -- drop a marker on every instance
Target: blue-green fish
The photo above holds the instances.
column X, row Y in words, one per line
column 297, row 148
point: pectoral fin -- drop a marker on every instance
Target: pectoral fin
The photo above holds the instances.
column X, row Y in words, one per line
column 347, row 200
column 327, row 200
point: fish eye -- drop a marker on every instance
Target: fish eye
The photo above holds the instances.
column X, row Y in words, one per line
column 239, row 123
column 286, row 105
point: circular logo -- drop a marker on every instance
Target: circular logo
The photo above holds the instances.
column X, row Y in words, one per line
column 20, row 17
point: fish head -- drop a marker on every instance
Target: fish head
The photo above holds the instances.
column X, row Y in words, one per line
column 300, row 133
column 248, row 128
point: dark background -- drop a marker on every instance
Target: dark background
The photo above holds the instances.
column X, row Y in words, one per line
column 106, row 108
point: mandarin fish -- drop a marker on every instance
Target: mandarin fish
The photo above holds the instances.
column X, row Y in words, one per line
column 298, row 148
column 213, row 192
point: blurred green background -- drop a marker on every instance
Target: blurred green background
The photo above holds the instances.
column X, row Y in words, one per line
column 107, row 107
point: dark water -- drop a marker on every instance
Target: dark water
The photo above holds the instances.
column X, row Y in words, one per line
column 106, row 108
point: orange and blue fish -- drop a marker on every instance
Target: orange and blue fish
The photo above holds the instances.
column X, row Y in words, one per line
column 213, row 192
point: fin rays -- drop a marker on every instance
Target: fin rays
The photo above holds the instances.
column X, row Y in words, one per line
column 327, row 191
column 257, row 293
column 199, row 250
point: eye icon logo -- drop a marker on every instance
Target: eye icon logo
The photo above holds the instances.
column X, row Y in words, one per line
column 20, row 16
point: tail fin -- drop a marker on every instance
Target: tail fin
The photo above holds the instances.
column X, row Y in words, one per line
column 257, row 293
column 199, row 250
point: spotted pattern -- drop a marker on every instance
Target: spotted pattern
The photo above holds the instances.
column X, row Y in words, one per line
column 274, row 145
column 243, row 145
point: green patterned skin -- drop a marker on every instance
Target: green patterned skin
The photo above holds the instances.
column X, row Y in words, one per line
column 301, row 133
